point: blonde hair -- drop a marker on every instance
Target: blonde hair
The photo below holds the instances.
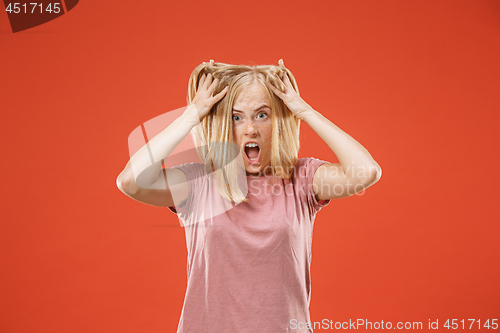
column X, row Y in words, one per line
column 213, row 137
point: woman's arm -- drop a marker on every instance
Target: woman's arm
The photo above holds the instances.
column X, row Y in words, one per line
column 357, row 169
column 142, row 178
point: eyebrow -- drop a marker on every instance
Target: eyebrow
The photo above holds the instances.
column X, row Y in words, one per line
column 264, row 106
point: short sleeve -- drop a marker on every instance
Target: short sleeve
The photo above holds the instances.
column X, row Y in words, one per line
column 195, row 174
column 306, row 168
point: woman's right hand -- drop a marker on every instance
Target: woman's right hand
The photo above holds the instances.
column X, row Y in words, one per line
column 204, row 99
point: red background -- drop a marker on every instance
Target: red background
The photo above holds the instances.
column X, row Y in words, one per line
column 415, row 82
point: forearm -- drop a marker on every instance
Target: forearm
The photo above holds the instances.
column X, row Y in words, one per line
column 355, row 160
column 145, row 165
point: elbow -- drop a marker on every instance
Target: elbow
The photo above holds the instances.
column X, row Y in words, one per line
column 120, row 178
column 120, row 183
column 123, row 184
column 377, row 174
column 373, row 176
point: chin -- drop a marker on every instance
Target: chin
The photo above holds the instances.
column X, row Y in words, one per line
column 252, row 168
column 255, row 169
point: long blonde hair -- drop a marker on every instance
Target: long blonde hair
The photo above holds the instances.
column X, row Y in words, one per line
column 213, row 137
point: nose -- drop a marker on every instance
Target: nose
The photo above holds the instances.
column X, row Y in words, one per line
column 250, row 128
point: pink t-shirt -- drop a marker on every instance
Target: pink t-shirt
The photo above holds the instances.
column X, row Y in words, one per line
column 248, row 267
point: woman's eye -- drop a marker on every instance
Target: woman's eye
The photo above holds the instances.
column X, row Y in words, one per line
column 235, row 116
column 265, row 115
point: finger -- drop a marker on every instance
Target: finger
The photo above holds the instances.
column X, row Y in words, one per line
column 273, row 87
column 214, row 84
column 282, row 87
column 208, row 81
column 280, row 80
column 211, row 62
column 287, row 80
column 278, row 92
column 201, row 82
column 219, row 96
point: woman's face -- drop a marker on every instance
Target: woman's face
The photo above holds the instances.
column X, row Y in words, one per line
column 252, row 125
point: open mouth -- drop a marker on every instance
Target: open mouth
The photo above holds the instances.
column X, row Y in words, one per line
column 252, row 152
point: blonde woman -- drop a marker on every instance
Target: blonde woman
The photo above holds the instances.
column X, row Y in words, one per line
column 248, row 208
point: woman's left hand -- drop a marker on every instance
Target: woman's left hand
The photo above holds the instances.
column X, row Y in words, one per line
column 291, row 99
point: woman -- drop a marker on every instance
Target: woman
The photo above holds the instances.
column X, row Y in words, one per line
column 249, row 208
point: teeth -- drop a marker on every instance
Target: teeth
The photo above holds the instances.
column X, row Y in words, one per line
column 251, row 145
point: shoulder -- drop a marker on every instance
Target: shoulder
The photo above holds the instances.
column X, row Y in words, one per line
column 195, row 183
column 304, row 172
column 306, row 167
column 192, row 170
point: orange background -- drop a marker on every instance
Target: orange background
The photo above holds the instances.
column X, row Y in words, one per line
column 415, row 82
